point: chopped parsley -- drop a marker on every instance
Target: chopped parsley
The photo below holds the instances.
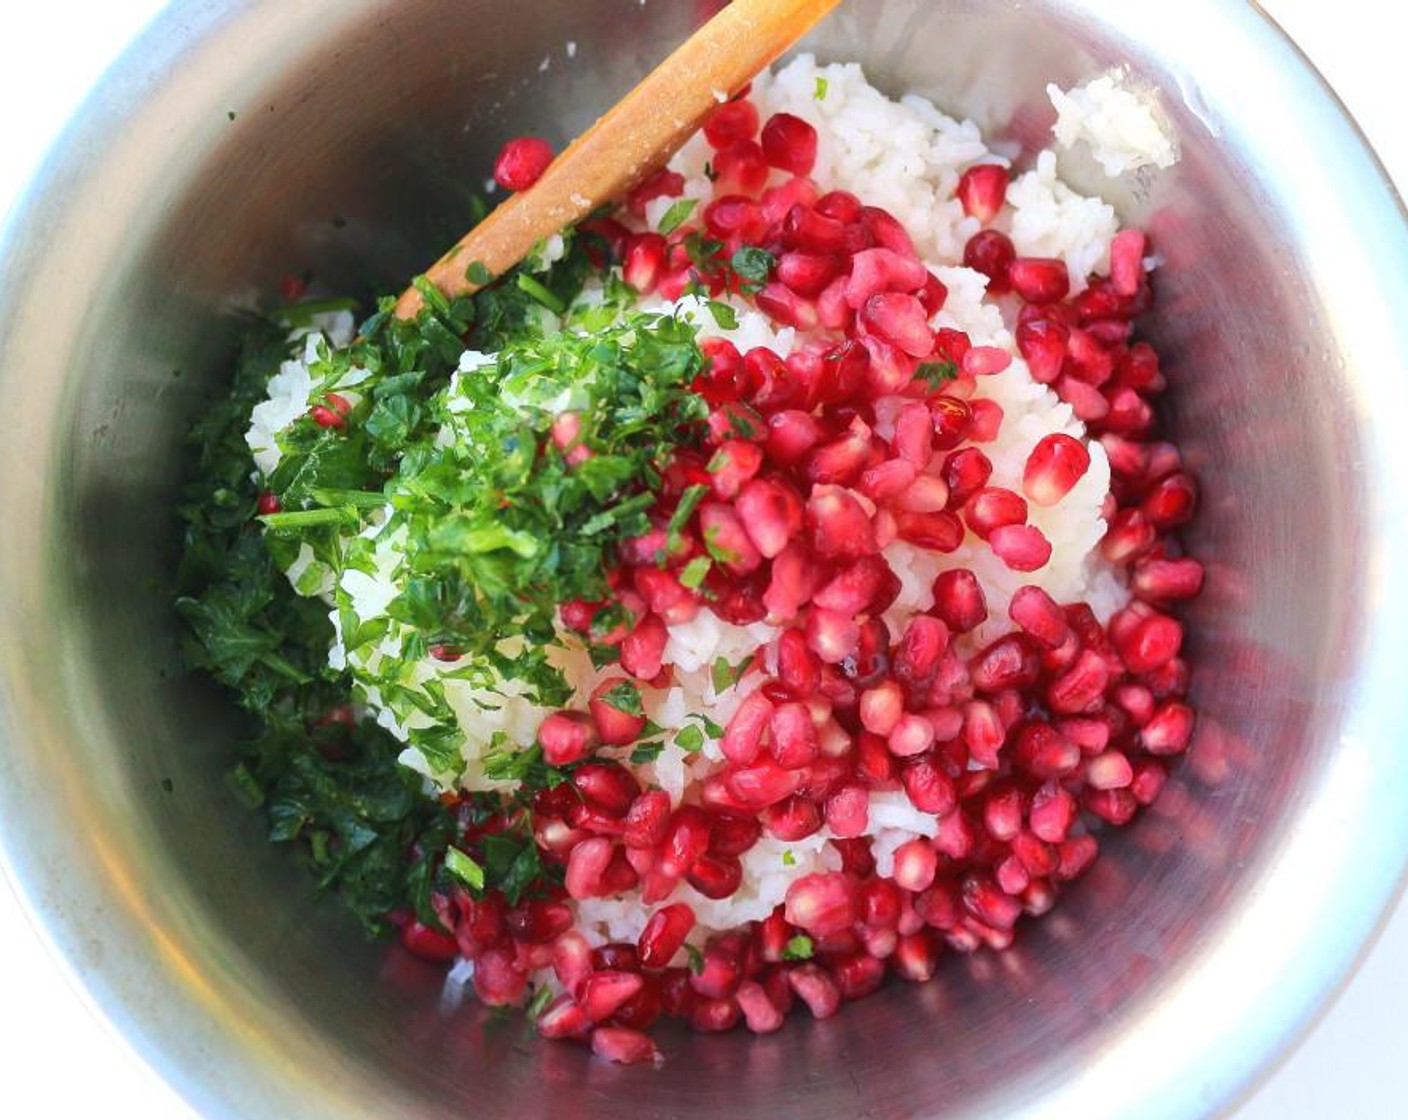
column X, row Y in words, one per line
column 677, row 215
column 800, row 948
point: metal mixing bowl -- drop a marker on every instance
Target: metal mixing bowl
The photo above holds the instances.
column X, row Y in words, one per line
column 244, row 138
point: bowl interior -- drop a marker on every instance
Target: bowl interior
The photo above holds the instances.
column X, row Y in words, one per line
column 259, row 138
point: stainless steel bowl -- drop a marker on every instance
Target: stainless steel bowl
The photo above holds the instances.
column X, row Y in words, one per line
column 242, row 138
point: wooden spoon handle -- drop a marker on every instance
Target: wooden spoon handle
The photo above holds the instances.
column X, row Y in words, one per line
column 637, row 136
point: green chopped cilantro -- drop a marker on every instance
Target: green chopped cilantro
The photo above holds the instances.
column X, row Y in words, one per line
column 819, row 93
column 695, row 572
column 677, row 215
column 936, row 374
column 753, row 266
column 726, row 675
column 696, row 959
column 800, row 948
column 464, row 869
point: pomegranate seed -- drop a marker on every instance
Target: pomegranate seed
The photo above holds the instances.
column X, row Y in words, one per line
column 928, row 788
column 647, row 820
column 733, row 835
column 1129, row 535
column 726, row 539
column 730, row 122
column 663, row 184
column 764, row 783
column 664, row 934
column 562, row 1018
column 1163, row 580
column 831, row 636
column 741, row 168
column 1109, row 771
column 983, row 361
column 644, row 261
column 521, row 162
column 643, row 649
column 881, row 707
column 498, row 979
column 1149, row 778
column 1039, row 279
column 1042, row 344
column 1171, row 503
column 988, row 904
column 1055, row 465
column 992, row 254
column 607, row 785
column 1077, row 854
column 624, row 1046
column 855, row 588
column 686, row 840
column 808, row 274
column 879, row 271
column 916, row 956
column 772, row 514
column 982, row 190
column 886, row 231
column 428, row 943
column 1081, row 687
column 987, row 421
column 734, row 463
column 614, row 725
column 953, row 420
column 585, row 867
column 715, row 876
column 1127, row 261
column 816, row 989
column 901, row 320
column 916, row 657
column 859, row 975
column 1009, row 662
column 848, row 811
column 926, row 494
column 759, row 1012
column 268, row 503
column 915, row 865
column 840, row 527
column 1169, row 729
column 822, row 904
column 1052, row 812
column 326, row 417
column 959, row 600
column 602, row 993
column 1037, row 613
column 789, row 143
column 983, row 732
column 793, row 579
column 842, row 206
column 1115, row 806
column 1150, row 643
column 1044, row 752
column 792, row 819
column 1002, row 813
column 794, row 737
column 991, row 508
column 941, row 531
column 1023, row 548
column 566, row 737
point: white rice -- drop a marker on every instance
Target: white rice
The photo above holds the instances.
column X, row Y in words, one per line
column 1120, row 122
column 905, row 156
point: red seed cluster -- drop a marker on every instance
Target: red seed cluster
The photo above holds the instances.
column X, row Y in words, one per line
column 813, row 462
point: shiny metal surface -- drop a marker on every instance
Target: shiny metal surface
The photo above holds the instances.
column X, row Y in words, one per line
column 1196, row 951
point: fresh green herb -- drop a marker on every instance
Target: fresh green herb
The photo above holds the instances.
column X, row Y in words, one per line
column 726, row 675
column 538, row 1004
column 725, row 317
column 695, row 572
column 753, row 266
column 689, row 502
column 535, row 288
column 712, row 729
column 624, row 697
column 690, row 739
column 696, row 959
column 936, row 374
column 677, row 215
column 464, row 869
column 819, row 93
column 800, row 948
column 478, row 274
column 646, row 752
column 788, row 859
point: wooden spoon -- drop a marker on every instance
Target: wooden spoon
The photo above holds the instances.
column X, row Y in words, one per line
column 636, row 137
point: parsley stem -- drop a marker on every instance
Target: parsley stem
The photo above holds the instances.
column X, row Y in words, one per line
column 535, row 289
column 309, row 519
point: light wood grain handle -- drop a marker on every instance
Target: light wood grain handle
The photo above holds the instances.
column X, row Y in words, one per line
column 637, row 136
